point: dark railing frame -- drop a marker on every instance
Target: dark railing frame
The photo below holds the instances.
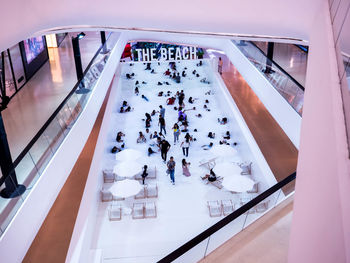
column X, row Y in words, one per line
column 226, row 220
column 279, row 67
column 53, row 116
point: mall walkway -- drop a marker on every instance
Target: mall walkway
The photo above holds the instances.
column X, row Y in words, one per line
column 278, row 150
column 264, row 241
column 32, row 106
column 52, row 241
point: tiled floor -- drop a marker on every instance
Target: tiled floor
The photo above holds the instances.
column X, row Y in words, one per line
column 291, row 58
column 278, row 150
column 265, row 241
column 37, row 100
column 52, row 241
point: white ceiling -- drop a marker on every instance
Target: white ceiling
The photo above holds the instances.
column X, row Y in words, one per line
column 282, row 18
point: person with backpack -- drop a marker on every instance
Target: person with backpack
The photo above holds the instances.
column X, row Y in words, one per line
column 171, row 169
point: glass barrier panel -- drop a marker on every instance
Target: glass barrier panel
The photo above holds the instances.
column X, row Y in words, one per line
column 279, row 79
column 41, row 152
column 8, row 208
column 260, row 209
column 36, row 159
column 195, row 254
column 226, row 233
column 54, row 134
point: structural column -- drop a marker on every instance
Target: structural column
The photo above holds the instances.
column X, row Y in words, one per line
column 12, row 188
column 103, row 41
column 270, row 46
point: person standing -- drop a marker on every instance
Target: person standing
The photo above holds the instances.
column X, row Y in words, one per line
column 162, row 111
column 171, row 169
column 164, row 148
column 185, row 170
column 220, row 66
column 185, row 145
column 161, row 123
column 176, row 130
column 181, row 98
column 144, row 174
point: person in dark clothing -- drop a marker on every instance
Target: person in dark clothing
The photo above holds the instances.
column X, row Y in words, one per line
column 119, row 137
column 144, row 97
column 181, row 98
column 212, row 176
column 164, row 148
column 144, row 174
column 178, row 78
column 115, row 149
column 211, row 135
column 188, row 136
column 148, row 120
column 150, row 151
column 161, row 123
column 148, row 67
column 227, row 136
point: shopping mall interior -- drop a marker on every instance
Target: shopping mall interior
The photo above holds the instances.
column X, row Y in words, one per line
column 211, row 133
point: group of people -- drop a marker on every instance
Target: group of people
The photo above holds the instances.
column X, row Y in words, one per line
column 157, row 140
column 125, row 107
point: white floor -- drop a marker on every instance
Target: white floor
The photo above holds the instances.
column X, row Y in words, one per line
column 182, row 208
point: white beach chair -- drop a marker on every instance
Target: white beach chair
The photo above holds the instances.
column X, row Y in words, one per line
column 152, row 191
column 227, row 207
column 108, row 176
column 138, row 211
column 215, row 208
column 141, row 194
column 115, row 212
column 150, row 210
column 106, row 195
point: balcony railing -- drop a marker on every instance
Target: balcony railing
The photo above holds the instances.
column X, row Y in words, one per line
column 286, row 85
column 33, row 160
column 201, row 245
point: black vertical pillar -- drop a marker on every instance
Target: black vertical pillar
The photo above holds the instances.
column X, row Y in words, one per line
column 12, row 188
column 77, row 58
column 103, row 41
column 270, row 46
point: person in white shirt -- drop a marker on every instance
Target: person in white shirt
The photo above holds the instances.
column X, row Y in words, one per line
column 185, row 146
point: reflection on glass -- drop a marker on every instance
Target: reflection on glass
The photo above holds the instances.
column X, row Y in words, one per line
column 32, row 165
column 9, row 82
column 55, row 65
column 287, row 87
column 17, row 64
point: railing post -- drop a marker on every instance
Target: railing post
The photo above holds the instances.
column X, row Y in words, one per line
column 269, row 57
column 12, row 188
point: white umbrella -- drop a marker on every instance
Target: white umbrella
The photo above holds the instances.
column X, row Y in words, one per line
column 238, row 183
column 223, row 150
column 128, row 155
column 227, row 169
column 126, row 188
column 127, row 168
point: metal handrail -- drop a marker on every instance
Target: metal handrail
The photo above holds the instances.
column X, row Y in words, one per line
column 228, row 219
column 279, row 67
column 51, row 118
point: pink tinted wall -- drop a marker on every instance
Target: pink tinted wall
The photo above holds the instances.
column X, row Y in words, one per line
column 321, row 219
column 22, row 19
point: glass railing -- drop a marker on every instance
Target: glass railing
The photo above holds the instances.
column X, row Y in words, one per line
column 33, row 160
column 286, row 85
column 248, row 211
